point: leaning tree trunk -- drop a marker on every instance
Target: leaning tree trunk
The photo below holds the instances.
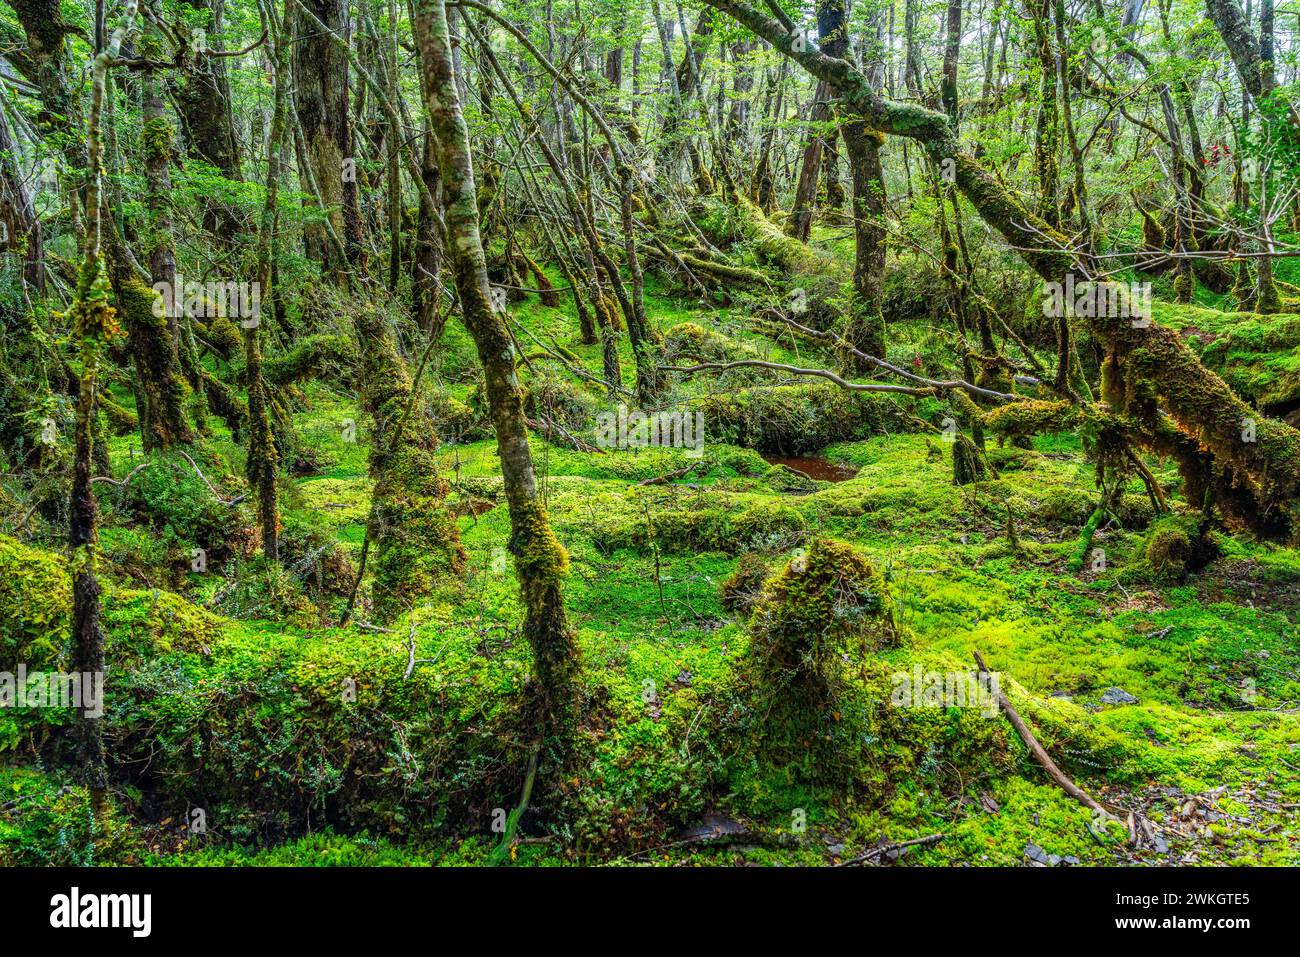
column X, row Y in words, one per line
column 540, row 559
column 18, row 214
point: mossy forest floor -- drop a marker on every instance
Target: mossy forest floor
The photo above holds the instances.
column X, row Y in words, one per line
column 228, row 686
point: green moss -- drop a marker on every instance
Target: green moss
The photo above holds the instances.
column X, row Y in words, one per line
column 222, row 334
column 330, row 358
column 742, row 587
column 799, row 418
column 325, row 849
column 693, row 341
column 1031, row 417
column 825, row 603
column 46, row 821
column 674, row 519
column 1177, row 545
column 35, row 614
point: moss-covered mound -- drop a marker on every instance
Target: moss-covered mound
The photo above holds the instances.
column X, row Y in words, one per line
column 815, row 704
column 690, row 340
column 826, row 604
column 795, row 419
column 677, row 519
column 1177, row 545
column 268, row 728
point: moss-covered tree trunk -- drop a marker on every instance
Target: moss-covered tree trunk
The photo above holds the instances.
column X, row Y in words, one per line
column 540, row 560
column 865, row 329
column 152, row 323
column 203, row 96
column 263, row 458
column 416, row 541
column 1047, row 137
column 93, row 325
column 321, row 97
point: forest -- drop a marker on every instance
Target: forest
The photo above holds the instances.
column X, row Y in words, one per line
column 849, row 433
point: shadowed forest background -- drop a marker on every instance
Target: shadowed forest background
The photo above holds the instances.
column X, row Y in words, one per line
column 650, row 432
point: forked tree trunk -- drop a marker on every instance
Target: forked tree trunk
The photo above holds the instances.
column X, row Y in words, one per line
column 799, row 225
column 320, row 75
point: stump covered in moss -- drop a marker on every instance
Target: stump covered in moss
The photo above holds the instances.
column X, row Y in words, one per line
column 967, row 463
column 416, row 541
column 824, row 609
column 1177, row 545
column 814, row 627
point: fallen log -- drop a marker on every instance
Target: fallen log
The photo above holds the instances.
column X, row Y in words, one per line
column 1037, row 750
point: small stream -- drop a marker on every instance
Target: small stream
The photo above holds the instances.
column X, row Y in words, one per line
column 814, row 467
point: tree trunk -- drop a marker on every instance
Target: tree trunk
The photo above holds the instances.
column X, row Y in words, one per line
column 799, row 225
column 320, row 76
column 540, row 559
column 93, row 326
column 263, row 458
column 153, row 332
column 1047, row 168
column 865, row 329
column 203, row 100
column 23, row 232
column 427, row 261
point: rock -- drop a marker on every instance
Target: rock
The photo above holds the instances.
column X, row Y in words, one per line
column 712, row 827
column 1117, row 696
column 1037, row 855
